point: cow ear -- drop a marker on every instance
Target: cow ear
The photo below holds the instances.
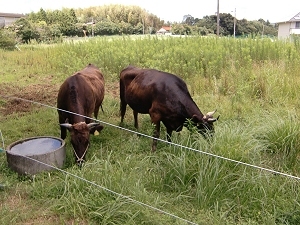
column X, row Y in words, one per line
column 99, row 127
column 94, row 128
column 90, row 125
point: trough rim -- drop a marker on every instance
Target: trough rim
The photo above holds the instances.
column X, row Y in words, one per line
column 8, row 148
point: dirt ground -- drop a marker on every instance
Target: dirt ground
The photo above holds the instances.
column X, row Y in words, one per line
column 45, row 93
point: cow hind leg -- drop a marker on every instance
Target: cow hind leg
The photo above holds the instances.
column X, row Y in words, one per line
column 96, row 111
column 123, row 103
column 123, row 106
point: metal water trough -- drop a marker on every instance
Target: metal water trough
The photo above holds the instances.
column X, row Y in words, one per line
column 46, row 149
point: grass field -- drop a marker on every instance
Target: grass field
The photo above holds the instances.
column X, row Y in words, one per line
column 253, row 84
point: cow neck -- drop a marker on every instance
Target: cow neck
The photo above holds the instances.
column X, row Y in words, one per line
column 192, row 109
column 78, row 118
column 76, row 105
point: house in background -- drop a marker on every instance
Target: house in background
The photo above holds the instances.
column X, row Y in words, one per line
column 164, row 30
column 6, row 19
column 290, row 27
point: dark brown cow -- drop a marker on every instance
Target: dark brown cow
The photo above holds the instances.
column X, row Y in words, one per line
column 82, row 93
column 165, row 97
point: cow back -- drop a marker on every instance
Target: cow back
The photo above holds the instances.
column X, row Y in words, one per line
column 169, row 93
column 81, row 93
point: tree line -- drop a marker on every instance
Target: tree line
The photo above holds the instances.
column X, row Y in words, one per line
column 228, row 25
column 52, row 25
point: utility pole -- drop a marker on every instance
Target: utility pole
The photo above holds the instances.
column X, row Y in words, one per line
column 218, row 20
column 93, row 23
column 234, row 22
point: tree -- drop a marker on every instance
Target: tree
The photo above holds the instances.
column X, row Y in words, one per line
column 245, row 28
column 126, row 28
column 188, row 19
column 227, row 24
column 67, row 21
column 106, row 28
column 138, row 29
column 177, row 28
column 41, row 16
column 119, row 19
column 25, row 30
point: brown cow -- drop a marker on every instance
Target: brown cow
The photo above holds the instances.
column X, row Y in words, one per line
column 165, row 97
column 82, row 93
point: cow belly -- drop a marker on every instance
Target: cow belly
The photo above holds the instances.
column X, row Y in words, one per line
column 138, row 101
column 175, row 125
column 139, row 106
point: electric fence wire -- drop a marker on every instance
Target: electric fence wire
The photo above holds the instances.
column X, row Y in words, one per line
column 148, row 136
column 161, row 140
column 90, row 182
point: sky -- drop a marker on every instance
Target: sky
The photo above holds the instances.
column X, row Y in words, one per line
column 173, row 11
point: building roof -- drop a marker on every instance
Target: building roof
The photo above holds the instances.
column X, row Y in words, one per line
column 161, row 30
column 296, row 17
column 11, row 15
column 293, row 19
column 166, row 28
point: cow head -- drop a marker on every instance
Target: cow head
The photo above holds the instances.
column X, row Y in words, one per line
column 80, row 138
column 205, row 125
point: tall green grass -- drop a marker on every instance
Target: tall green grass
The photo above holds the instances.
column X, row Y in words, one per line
column 253, row 83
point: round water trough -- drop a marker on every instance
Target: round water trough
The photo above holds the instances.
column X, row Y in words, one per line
column 48, row 150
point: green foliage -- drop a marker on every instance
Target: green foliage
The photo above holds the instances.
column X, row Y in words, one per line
column 281, row 139
column 25, row 30
column 243, row 27
column 49, row 26
column 7, row 40
column 105, row 28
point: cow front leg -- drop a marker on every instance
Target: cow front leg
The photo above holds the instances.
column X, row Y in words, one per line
column 63, row 130
column 63, row 133
column 155, row 135
column 136, row 123
column 155, row 119
column 169, row 134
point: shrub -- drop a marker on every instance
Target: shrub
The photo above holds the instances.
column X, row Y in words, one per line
column 7, row 40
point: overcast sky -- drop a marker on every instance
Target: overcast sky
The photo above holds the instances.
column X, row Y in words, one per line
column 173, row 11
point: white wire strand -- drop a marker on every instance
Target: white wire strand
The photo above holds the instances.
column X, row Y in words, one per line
column 90, row 182
column 111, row 191
column 178, row 145
column 148, row 136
